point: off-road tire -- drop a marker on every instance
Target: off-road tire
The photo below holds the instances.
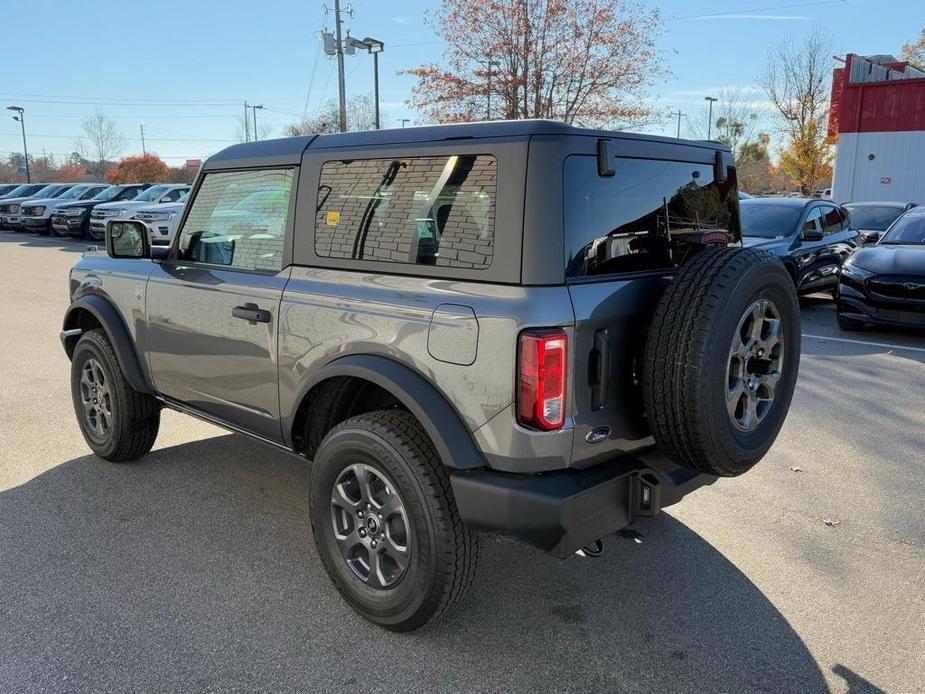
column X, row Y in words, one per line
column 444, row 552
column 848, row 324
column 135, row 416
column 686, row 370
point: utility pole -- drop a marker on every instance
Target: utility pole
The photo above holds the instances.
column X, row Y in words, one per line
column 144, row 152
column 711, row 99
column 678, row 114
column 21, row 117
column 45, row 161
column 246, row 134
column 341, row 87
column 254, row 108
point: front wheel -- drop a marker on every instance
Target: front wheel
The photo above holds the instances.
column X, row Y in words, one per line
column 117, row 422
column 385, row 522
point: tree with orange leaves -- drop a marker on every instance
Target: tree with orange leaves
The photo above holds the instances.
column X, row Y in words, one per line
column 148, row 168
column 586, row 62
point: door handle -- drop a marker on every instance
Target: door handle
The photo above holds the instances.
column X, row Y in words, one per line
column 251, row 314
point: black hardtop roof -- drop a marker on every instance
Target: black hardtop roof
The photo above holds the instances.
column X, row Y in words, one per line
column 289, row 150
column 781, row 202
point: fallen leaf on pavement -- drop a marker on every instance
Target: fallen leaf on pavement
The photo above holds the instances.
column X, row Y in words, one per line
column 831, row 522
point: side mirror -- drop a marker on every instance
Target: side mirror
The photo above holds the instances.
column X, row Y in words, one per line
column 127, row 239
column 812, row 235
column 872, row 237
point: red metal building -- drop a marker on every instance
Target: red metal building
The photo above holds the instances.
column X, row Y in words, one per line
column 878, row 113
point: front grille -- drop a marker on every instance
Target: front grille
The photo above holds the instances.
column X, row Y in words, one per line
column 910, row 288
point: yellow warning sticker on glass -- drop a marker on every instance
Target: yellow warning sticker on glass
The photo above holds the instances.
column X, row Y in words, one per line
column 333, row 218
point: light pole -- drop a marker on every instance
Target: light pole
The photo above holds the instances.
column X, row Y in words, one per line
column 404, row 120
column 711, row 99
column 254, row 108
column 22, row 121
column 375, row 46
column 247, row 137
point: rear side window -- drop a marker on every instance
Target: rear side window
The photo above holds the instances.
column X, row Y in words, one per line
column 419, row 210
column 238, row 219
column 637, row 219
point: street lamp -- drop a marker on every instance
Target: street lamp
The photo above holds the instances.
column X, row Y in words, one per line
column 404, row 120
column 254, row 108
column 375, row 47
column 711, row 99
column 22, row 121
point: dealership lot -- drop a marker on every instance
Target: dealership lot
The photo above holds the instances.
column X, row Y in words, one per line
column 195, row 569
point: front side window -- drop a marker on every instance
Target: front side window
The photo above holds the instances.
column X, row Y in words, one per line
column 238, row 219
column 832, row 219
column 419, row 210
column 638, row 219
column 173, row 195
column 813, row 221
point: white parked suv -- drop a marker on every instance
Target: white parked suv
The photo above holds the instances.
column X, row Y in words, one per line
column 36, row 213
column 155, row 195
column 162, row 220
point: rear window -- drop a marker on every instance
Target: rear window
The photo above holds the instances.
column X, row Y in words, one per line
column 633, row 221
column 418, row 210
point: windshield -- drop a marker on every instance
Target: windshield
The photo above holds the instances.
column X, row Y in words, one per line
column 108, row 194
column 47, row 191
column 150, row 194
column 73, row 193
column 908, row 230
column 768, row 220
column 873, row 217
column 19, row 191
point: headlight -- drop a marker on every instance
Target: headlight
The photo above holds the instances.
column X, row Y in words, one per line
column 38, row 211
column 14, row 209
column 119, row 212
column 852, row 270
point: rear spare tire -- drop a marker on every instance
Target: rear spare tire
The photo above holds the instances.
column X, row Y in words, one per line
column 721, row 361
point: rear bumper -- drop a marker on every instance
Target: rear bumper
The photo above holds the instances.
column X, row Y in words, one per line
column 565, row 510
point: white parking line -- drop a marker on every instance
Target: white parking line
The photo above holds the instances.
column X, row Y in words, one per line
column 864, row 342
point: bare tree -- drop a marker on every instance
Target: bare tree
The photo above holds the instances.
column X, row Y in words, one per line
column 361, row 115
column 102, row 142
column 242, row 128
column 914, row 51
column 736, row 119
column 796, row 79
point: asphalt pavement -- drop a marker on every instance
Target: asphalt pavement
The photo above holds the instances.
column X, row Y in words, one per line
column 195, row 569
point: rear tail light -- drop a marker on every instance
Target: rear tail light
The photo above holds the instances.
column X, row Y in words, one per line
column 543, row 358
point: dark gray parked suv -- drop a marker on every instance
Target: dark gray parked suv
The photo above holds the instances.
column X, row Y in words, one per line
column 519, row 327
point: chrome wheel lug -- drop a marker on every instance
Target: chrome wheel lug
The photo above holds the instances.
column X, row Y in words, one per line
column 362, row 532
column 373, row 544
column 360, row 514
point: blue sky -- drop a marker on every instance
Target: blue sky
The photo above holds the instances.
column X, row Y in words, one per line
column 184, row 69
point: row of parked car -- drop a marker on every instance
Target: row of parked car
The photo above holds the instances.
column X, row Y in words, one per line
column 81, row 210
column 869, row 255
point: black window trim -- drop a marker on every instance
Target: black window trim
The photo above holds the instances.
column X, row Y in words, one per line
column 174, row 259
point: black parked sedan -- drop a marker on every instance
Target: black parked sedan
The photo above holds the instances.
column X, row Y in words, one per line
column 885, row 283
column 811, row 237
column 873, row 218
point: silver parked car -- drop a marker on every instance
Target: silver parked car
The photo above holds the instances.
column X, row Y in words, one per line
column 157, row 194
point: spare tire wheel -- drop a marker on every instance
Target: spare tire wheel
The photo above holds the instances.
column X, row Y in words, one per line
column 721, row 360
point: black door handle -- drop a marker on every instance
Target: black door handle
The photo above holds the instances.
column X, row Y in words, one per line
column 251, row 314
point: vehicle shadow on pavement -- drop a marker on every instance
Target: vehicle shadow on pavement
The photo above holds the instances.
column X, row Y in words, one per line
column 195, row 569
column 57, row 242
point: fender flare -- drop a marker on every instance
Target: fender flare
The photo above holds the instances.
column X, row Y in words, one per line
column 108, row 317
column 451, row 438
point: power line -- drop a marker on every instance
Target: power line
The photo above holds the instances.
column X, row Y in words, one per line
column 756, row 9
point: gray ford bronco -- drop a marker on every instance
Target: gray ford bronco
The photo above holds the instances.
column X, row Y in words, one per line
column 517, row 327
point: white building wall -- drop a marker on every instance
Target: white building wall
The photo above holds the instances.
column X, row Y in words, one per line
column 897, row 171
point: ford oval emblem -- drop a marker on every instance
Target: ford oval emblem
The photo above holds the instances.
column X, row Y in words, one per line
column 598, row 435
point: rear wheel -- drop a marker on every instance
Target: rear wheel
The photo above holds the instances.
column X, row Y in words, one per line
column 722, row 359
column 386, row 524
column 117, row 422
